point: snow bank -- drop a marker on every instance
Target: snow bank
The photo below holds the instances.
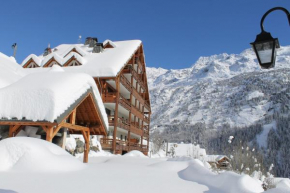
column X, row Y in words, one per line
column 182, row 158
column 282, row 187
column 134, row 153
column 227, row 182
column 30, row 154
column 45, row 96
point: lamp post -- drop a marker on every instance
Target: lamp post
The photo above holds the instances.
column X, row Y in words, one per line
column 265, row 45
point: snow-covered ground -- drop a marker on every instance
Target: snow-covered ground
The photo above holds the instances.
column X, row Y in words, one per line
column 34, row 167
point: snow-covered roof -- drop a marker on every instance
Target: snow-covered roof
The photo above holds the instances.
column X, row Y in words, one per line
column 10, row 71
column 47, row 96
column 215, row 158
column 108, row 63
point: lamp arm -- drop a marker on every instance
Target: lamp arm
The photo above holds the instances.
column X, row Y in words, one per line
column 274, row 9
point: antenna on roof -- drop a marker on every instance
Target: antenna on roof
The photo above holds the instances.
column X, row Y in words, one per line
column 48, row 46
column 14, row 47
column 80, row 39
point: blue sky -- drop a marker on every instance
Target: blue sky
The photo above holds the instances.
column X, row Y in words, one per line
column 174, row 33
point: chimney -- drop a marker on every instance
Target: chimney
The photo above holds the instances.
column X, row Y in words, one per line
column 47, row 50
column 98, row 48
column 88, row 40
column 91, row 41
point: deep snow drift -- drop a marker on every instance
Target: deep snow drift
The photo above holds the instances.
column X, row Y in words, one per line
column 10, row 70
column 27, row 154
column 30, row 165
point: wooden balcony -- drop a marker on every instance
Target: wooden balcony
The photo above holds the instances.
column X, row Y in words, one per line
column 138, row 79
column 125, row 103
column 107, row 144
column 146, row 132
column 121, row 123
column 125, row 82
column 146, row 119
column 137, row 146
column 135, row 129
column 138, row 96
column 130, row 70
column 147, row 106
column 137, row 113
column 109, row 97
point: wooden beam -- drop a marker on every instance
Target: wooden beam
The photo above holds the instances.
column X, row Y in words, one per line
column 49, row 134
column 75, row 127
column 18, row 130
column 44, row 128
column 73, row 117
column 27, row 123
column 13, row 129
column 55, row 130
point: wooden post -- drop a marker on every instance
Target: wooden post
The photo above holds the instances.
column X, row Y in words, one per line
column 130, row 113
column 116, row 114
column 73, row 117
column 142, row 133
column 11, row 131
column 86, row 135
column 49, row 134
column 64, row 135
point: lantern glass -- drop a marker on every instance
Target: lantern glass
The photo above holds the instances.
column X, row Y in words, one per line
column 265, row 51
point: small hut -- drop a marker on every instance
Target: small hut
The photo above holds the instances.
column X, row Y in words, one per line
column 219, row 161
column 54, row 100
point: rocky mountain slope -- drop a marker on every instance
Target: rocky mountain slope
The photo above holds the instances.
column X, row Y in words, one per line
column 226, row 91
column 216, row 89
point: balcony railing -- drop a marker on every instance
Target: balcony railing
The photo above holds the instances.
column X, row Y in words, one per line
column 125, row 103
column 121, row 123
column 109, row 97
column 138, row 79
column 137, row 146
column 123, row 145
column 138, row 96
column 137, row 112
column 134, row 128
column 146, row 119
column 106, row 143
column 133, row 72
column 125, row 82
column 147, row 106
column 146, row 131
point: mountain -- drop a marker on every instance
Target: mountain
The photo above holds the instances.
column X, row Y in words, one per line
column 223, row 95
column 207, row 91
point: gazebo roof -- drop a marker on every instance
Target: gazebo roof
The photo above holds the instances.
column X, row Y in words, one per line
column 51, row 96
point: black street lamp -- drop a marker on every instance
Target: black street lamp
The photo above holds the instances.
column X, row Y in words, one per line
column 265, row 45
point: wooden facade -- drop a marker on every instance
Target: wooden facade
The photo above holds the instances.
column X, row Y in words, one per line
column 126, row 99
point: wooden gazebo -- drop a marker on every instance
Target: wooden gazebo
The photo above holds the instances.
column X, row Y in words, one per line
column 83, row 117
